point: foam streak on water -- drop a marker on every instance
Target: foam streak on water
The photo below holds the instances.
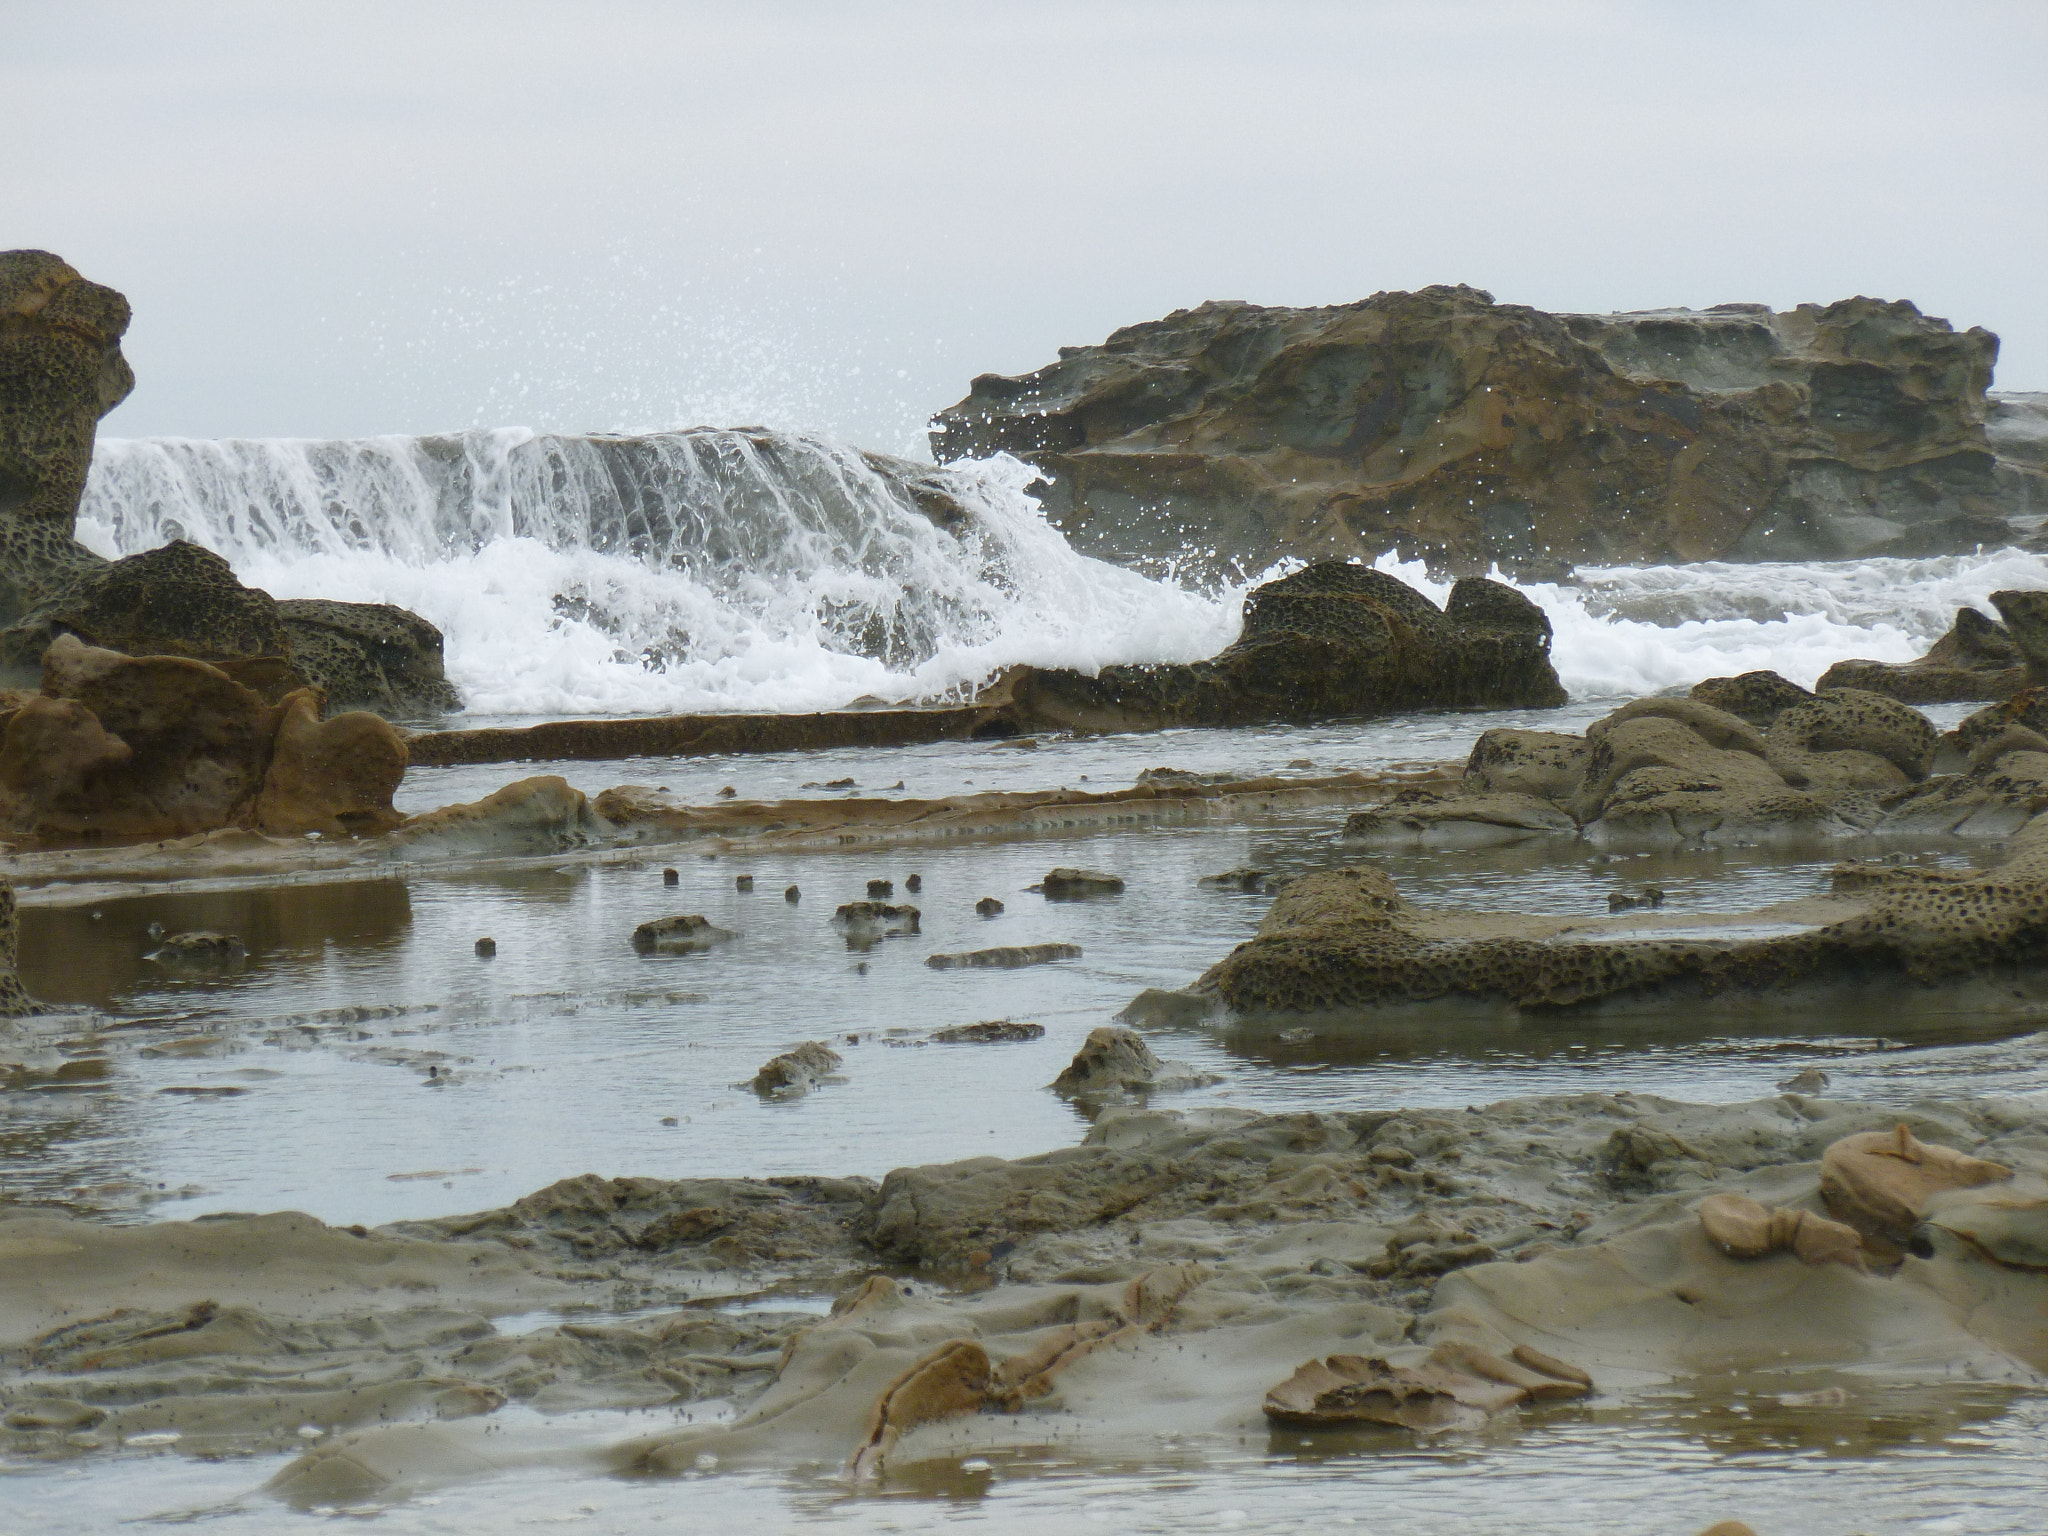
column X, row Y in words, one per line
column 747, row 570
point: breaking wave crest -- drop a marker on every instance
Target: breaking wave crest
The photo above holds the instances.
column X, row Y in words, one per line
column 740, row 569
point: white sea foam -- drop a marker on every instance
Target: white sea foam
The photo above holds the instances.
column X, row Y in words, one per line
column 749, row 570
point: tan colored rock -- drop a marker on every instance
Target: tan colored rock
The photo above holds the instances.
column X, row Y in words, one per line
column 1880, row 1182
column 335, row 777
column 198, row 743
column 1743, row 1228
column 953, row 1379
column 1457, row 1386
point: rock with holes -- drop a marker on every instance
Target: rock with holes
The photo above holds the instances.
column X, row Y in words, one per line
column 1758, row 697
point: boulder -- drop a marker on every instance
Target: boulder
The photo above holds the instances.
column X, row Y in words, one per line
column 164, row 746
column 1333, row 639
column 368, row 656
column 1757, row 697
column 15, row 1002
column 1443, row 426
column 154, row 747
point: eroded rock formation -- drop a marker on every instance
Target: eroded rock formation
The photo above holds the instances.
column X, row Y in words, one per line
column 1979, row 658
column 1448, row 427
column 61, row 370
column 118, row 746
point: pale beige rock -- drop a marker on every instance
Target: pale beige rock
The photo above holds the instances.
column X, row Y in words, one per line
column 1880, row 1182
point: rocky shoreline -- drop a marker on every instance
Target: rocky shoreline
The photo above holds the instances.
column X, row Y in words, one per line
column 1158, row 1280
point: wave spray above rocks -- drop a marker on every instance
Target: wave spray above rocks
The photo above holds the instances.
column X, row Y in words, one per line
column 740, row 569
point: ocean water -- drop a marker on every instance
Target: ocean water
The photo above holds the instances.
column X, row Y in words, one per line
column 750, row 570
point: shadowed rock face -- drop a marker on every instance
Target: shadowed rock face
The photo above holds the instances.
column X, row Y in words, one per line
column 1334, row 639
column 1443, row 425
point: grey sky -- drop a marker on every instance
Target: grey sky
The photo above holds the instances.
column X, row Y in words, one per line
column 340, row 218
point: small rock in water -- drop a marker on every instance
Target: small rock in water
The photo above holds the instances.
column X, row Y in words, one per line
column 914, row 884
column 199, row 949
column 861, row 969
column 727, row 793
column 1008, row 958
column 792, row 895
column 871, row 920
column 897, row 785
column 988, row 1031
column 988, row 906
column 1118, row 1061
column 1075, row 884
column 1302, row 762
column 678, row 935
column 670, row 877
column 796, row 1072
column 1623, row 901
column 1237, row 880
column 1811, row 1081
column 877, row 889
column 743, row 882
column 485, row 948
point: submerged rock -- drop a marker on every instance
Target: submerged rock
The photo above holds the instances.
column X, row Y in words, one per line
column 990, row 1031
column 197, row 951
column 1072, row 884
column 680, row 935
column 543, row 814
column 1117, row 1063
column 1440, row 425
column 1007, row 957
column 877, row 918
column 797, row 1071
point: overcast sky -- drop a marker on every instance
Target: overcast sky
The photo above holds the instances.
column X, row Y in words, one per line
column 341, row 217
